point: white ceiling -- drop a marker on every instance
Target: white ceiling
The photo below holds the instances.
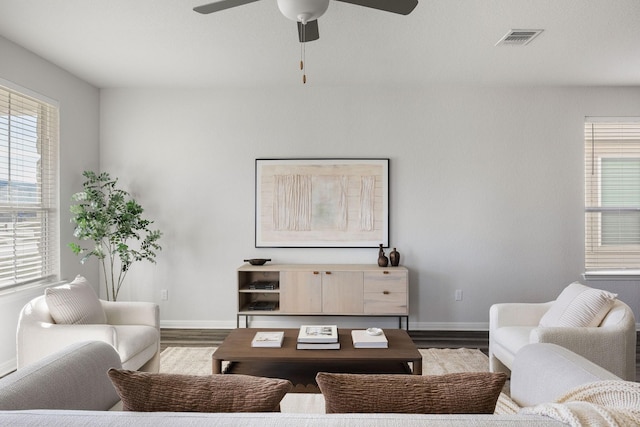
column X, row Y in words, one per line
column 143, row 43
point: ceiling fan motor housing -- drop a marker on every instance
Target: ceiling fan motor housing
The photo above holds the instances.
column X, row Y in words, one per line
column 303, row 10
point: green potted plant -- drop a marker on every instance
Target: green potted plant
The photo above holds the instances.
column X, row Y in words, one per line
column 112, row 220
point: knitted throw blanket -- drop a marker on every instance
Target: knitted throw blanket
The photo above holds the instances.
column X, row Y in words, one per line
column 601, row 403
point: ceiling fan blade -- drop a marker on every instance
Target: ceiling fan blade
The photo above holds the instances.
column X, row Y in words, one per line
column 311, row 32
column 403, row 7
column 221, row 5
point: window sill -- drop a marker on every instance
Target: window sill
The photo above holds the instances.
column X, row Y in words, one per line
column 30, row 287
column 631, row 274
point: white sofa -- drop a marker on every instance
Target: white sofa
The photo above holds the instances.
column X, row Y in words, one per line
column 71, row 388
column 132, row 328
column 611, row 345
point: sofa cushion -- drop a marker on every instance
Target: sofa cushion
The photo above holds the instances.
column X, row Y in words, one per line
column 457, row 393
column 578, row 306
column 149, row 392
column 75, row 303
column 508, row 340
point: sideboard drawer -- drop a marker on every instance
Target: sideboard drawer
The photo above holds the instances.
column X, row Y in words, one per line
column 385, row 280
column 385, row 292
column 386, row 302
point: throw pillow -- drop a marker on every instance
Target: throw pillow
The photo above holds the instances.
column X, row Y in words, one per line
column 578, row 306
column 151, row 392
column 75, row 303
column 457, row 393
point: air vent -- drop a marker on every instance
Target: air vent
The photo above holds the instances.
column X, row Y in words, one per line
column 518, row 37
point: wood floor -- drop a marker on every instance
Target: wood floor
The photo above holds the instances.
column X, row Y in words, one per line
column 422, row 339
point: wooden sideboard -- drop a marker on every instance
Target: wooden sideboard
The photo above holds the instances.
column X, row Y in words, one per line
column 323, row 289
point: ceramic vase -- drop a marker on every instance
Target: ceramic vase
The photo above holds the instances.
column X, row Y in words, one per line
column 394, row 257
column 383, row 261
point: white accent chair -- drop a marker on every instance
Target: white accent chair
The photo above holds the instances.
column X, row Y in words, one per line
column 132, row 329
column 611, row 344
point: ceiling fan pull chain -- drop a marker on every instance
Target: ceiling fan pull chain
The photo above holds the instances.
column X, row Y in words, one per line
column 303, row 52
column 304, row 70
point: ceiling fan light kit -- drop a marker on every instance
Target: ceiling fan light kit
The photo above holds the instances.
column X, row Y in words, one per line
column 307, row 12
column 303, row 10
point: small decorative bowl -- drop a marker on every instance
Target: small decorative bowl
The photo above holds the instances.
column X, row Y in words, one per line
column 257, row 261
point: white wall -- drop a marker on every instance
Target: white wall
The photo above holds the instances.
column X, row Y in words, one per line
column 79, row 135
column 486, row 186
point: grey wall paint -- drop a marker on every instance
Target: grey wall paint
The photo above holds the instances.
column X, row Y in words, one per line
column 486, row 186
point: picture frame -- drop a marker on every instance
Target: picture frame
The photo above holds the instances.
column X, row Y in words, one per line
column 314, row 203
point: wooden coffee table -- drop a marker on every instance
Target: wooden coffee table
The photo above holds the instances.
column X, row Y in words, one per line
column 301, row 366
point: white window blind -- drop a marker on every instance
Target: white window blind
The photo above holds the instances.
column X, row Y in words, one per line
column 612, row 193
column 28, row 188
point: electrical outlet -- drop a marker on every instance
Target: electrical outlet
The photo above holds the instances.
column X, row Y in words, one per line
column 458, row 294
column 164, row 295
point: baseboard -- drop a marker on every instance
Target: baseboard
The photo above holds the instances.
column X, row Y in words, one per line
column 8, row 367
column 197, row 324
column 263, row 323
column 449, row 326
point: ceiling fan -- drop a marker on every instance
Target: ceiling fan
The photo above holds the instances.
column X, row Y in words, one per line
column 307, row 12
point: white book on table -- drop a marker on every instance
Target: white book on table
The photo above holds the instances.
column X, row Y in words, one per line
column 318, row 346
column 268, row 339
column 362, row 339
column 318, row 334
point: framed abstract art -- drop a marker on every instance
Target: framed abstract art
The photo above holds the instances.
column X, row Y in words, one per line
column 322, row 203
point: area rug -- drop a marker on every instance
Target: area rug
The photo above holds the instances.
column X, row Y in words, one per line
column 197, row 361
column 186, row 360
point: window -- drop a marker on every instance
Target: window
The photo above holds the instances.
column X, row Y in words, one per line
column 28, row 201
column 612, row 193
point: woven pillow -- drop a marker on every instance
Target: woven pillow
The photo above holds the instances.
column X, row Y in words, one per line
column 75, row 303
column 578, row 306
column 458, row 393
column 151, row 392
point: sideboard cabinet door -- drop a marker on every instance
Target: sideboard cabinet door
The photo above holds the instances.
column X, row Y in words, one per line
column 342, row 292
column 301, row 292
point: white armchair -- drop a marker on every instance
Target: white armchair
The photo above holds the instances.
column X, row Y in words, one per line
column 611, row 345
column 132, row 328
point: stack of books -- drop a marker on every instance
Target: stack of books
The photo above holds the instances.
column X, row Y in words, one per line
column 264, row 284
column 268, row 339
column 371, row 338
column 318, row 337
column 263, row 305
